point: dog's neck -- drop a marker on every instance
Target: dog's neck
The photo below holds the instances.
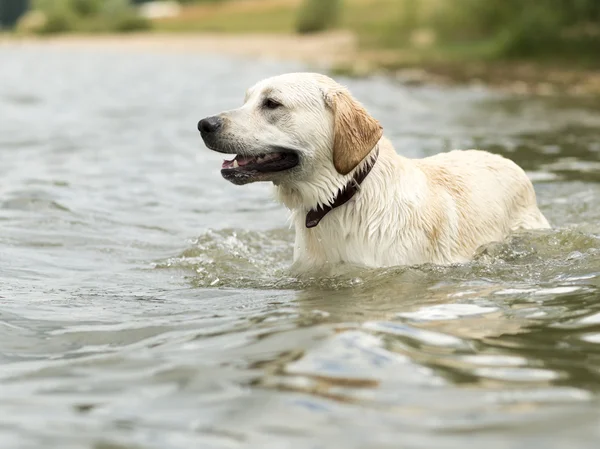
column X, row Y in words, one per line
column 314, row 216
column 326, row 185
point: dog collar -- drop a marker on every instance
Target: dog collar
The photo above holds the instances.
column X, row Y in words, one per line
column 314, row 216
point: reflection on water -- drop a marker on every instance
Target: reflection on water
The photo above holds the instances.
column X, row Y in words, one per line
column 145, row 302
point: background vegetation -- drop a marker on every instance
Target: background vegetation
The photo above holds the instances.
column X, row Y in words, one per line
column 426, row 29
column 502, row 28
column 317, row 15
column 88, row 16
column 456, row 28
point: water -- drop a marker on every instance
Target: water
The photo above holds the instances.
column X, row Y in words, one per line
column 145, row 302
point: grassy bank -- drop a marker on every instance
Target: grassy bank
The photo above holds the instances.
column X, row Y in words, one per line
column 239, row 17
column 272, row 16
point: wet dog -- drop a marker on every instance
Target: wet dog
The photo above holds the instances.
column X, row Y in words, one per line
column 353, row 198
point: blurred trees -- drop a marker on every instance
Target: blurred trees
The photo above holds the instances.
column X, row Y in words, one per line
column 454, row 28
column 11, row 10
column 543, row 27
column 201, row 1
column 317, row 15
column 87, row 16
column 482, row 28
column 510, row 28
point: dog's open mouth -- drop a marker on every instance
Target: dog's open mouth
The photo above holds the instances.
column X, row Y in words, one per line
column 262, row 163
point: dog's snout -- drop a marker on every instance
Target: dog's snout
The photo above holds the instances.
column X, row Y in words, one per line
column 210, row 125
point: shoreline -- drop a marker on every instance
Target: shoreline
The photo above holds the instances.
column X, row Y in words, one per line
column 323, row 49
column 338, row 52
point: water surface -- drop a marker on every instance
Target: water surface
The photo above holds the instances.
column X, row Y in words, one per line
column 145, row 302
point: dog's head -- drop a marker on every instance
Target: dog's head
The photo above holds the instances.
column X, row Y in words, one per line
column 293, row 128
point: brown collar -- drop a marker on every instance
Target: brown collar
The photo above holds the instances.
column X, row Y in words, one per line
column 314, row 216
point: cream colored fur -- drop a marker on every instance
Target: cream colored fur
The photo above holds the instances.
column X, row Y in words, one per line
column 408, row 211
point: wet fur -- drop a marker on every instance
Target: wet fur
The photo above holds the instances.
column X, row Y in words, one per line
column 408, row 211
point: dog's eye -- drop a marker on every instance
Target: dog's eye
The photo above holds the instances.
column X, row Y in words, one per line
column 271, row 104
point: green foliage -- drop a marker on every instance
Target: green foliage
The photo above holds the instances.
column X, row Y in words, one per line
column 57, row 22
column 86, row 8
column 201, row 1
column 59, row 15
column 130, row 22
column 317, row 15
column 509, row 28
column 551, row 27
column 89, row 16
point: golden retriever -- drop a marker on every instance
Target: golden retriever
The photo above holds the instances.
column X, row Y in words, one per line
column 353, row 199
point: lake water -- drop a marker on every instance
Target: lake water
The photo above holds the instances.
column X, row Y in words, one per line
column 145, row 303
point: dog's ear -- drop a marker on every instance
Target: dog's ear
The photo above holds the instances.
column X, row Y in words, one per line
column 355, row 132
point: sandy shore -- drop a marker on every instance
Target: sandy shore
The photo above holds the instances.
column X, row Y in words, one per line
column 325, row 50
column 339, row 51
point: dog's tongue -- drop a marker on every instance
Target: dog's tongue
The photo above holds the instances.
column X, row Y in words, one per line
column 238, row 161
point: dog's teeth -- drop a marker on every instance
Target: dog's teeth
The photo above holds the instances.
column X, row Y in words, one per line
column 235, row 164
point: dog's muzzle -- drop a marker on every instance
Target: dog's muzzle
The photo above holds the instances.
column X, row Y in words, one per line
column 210, row 125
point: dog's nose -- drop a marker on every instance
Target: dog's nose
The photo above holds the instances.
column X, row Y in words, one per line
column 209, row 125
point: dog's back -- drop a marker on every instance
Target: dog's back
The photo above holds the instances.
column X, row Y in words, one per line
column 491, row 196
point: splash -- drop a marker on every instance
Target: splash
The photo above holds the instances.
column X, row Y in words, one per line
column 234, row 258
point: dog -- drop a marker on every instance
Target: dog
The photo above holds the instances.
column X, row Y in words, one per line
column 352, row 198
